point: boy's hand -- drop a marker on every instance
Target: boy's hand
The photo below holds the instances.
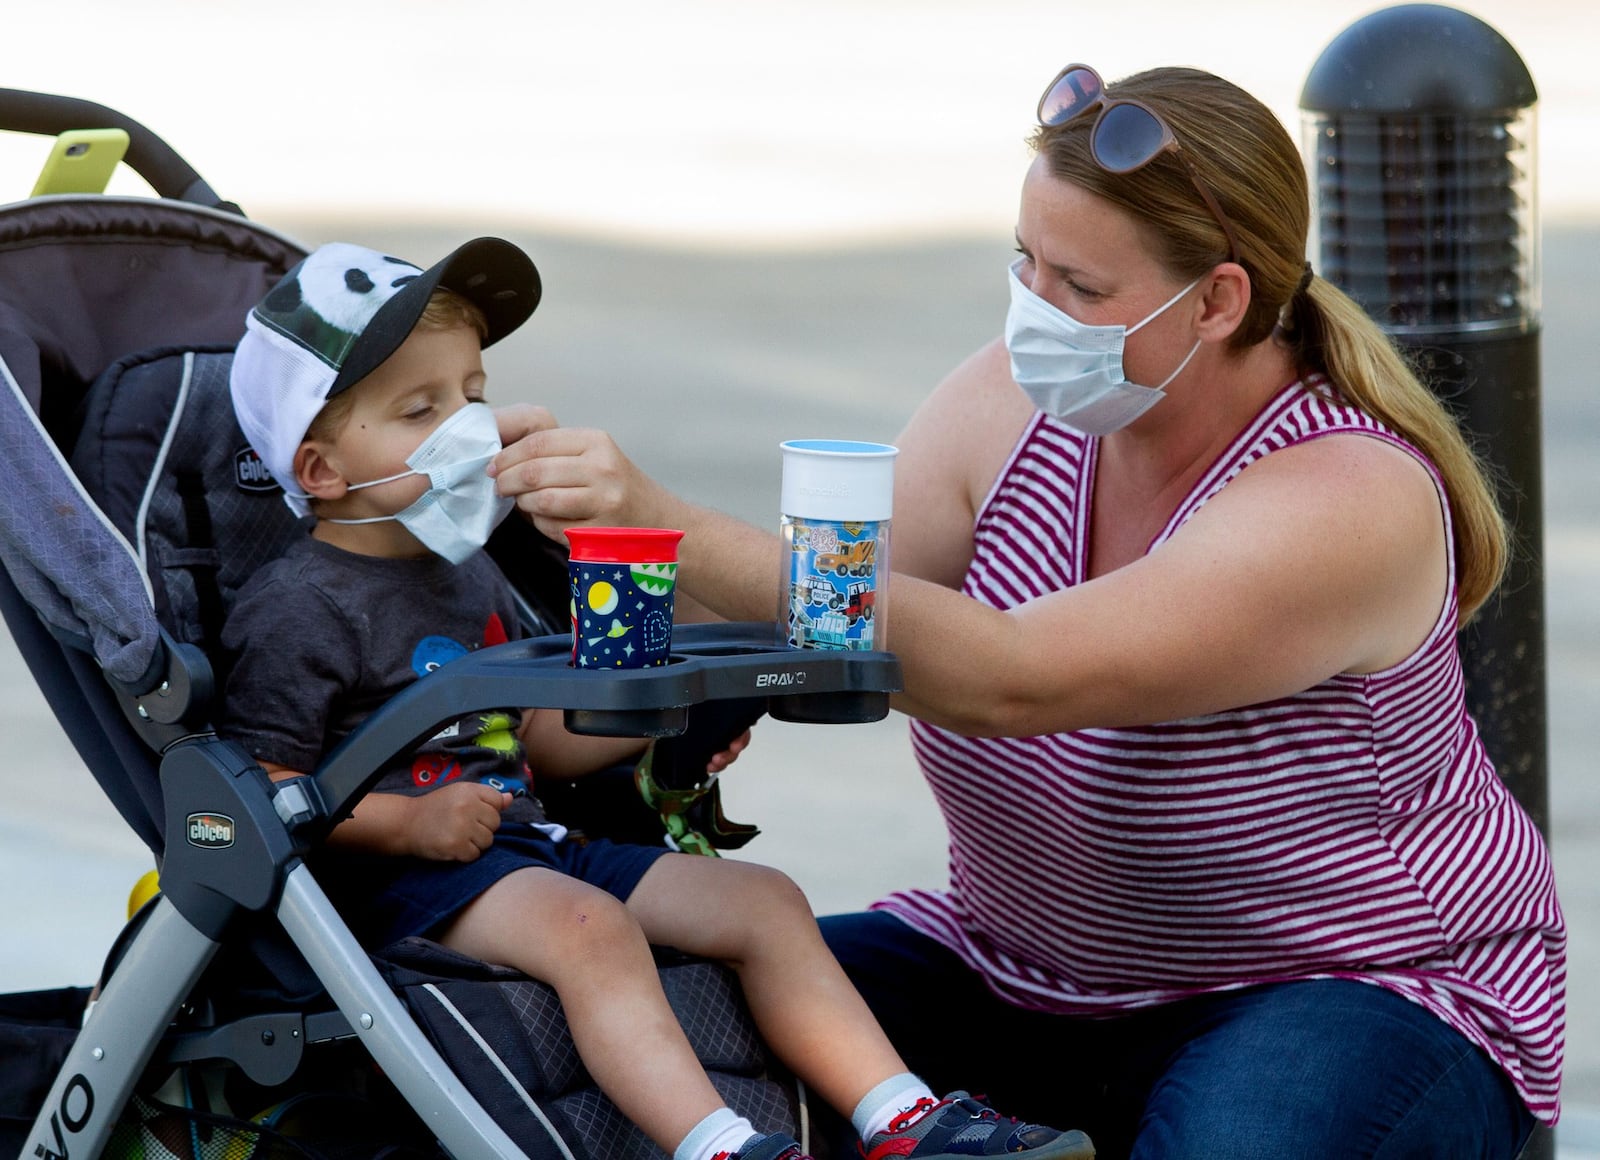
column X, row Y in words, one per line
column 684, row 761
column 455, row 823
column 721, row 761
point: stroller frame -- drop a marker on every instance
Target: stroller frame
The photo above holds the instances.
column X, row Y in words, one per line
column 233, row 841
column 202, row 886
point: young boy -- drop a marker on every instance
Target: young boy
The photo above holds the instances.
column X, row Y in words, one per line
column 360, row 383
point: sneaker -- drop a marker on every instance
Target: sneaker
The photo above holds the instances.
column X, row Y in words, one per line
column 777, row 1146
column 959, row 1126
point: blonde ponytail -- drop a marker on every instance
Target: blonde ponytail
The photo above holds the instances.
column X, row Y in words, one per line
column 1331, row 333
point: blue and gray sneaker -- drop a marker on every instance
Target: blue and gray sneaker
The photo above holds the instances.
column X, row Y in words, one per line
column 776, row 1146
column 958, row 1127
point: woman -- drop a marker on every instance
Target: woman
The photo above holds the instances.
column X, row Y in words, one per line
column 1230, row 872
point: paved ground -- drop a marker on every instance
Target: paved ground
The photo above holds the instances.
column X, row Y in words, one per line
column 702, row 363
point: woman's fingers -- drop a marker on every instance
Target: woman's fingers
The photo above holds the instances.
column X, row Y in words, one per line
column 566, row 474
column 556, row 456
column 518, row 420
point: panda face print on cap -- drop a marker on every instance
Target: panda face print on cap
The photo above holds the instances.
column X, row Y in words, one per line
column 326, row 302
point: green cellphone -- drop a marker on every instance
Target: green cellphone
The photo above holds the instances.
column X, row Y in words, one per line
column 81, row 161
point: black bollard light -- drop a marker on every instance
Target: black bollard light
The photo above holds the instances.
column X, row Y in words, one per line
column 1419, row 135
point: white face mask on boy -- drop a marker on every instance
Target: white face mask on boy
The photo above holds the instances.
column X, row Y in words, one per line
column 454, row 517
column 1073, row 370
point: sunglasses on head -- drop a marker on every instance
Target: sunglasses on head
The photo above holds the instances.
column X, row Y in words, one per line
column 1127, row 135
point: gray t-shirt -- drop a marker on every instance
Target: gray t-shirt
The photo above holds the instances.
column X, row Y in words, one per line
column 321, row 637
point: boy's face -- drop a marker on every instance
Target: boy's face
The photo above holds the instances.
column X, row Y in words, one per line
column 431, row 376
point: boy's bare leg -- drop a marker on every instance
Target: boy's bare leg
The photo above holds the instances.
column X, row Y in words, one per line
column 757, row 921
column 586, row 945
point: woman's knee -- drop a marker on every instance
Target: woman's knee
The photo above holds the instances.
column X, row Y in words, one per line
column 1328, row 1069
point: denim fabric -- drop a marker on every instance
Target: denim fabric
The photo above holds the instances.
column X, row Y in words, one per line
column 1303, row 1070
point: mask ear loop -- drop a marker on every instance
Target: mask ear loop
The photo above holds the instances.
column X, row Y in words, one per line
column 390, row 478
column 1193, row 350
column 358, row 487
column 1160, row 310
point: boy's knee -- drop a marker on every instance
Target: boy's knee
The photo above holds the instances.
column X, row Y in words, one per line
column 590, row 921
column 777, row 893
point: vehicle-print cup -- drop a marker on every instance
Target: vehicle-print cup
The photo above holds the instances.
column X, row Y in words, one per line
column 837, row 499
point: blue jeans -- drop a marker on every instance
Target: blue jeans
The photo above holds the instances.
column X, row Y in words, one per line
column 1291, row 1071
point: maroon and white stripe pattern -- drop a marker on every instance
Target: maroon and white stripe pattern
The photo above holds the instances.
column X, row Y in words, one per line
column 1355, row 830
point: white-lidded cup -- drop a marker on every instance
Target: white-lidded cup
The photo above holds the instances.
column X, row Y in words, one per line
column 837, row 500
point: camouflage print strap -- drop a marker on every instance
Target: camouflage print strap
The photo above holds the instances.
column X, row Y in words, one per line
column 674, row 805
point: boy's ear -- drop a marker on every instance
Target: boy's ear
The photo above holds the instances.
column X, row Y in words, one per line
column 316, row 474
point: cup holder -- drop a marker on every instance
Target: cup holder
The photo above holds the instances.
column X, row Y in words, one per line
column 627, row 722
column 843, row 708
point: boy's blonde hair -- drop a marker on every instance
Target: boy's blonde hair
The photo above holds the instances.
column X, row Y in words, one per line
column 445, row 310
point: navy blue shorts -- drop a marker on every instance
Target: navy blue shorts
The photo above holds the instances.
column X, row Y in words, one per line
column 385, row 898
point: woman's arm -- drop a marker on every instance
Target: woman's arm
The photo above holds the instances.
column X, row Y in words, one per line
column 563, row 476
column 1322, row 558
column 950, row 453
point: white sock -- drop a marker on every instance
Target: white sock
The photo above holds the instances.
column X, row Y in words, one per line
column 724, row 1130
column 895, row 1095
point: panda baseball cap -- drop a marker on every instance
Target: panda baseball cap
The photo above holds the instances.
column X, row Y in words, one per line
column 338, row 315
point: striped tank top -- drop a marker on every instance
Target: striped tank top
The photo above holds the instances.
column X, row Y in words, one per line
column 1356, row 830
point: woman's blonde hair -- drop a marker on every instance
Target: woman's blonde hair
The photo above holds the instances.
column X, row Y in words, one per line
column 1251, row 165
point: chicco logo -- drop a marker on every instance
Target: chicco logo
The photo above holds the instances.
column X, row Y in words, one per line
column 250, row 474
column 210, row 831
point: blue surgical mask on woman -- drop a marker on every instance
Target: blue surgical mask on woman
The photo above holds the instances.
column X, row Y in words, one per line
column 454, row 517
column 1073, row 370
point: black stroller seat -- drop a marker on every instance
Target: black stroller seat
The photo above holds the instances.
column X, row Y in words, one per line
column 132, row 513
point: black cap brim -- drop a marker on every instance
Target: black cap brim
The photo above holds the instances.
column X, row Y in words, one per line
column 491, row 273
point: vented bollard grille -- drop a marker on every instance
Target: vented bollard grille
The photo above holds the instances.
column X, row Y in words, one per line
column 1419, row 139
column 1427, row 219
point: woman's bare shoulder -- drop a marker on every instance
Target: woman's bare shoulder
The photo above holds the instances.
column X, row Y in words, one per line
column 950, row 453
column 973, row 417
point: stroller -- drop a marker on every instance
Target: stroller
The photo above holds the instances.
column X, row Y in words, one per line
column 236, row 1015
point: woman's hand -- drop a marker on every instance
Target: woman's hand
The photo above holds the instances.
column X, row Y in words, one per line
column 517, row 420
column 563, row 476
